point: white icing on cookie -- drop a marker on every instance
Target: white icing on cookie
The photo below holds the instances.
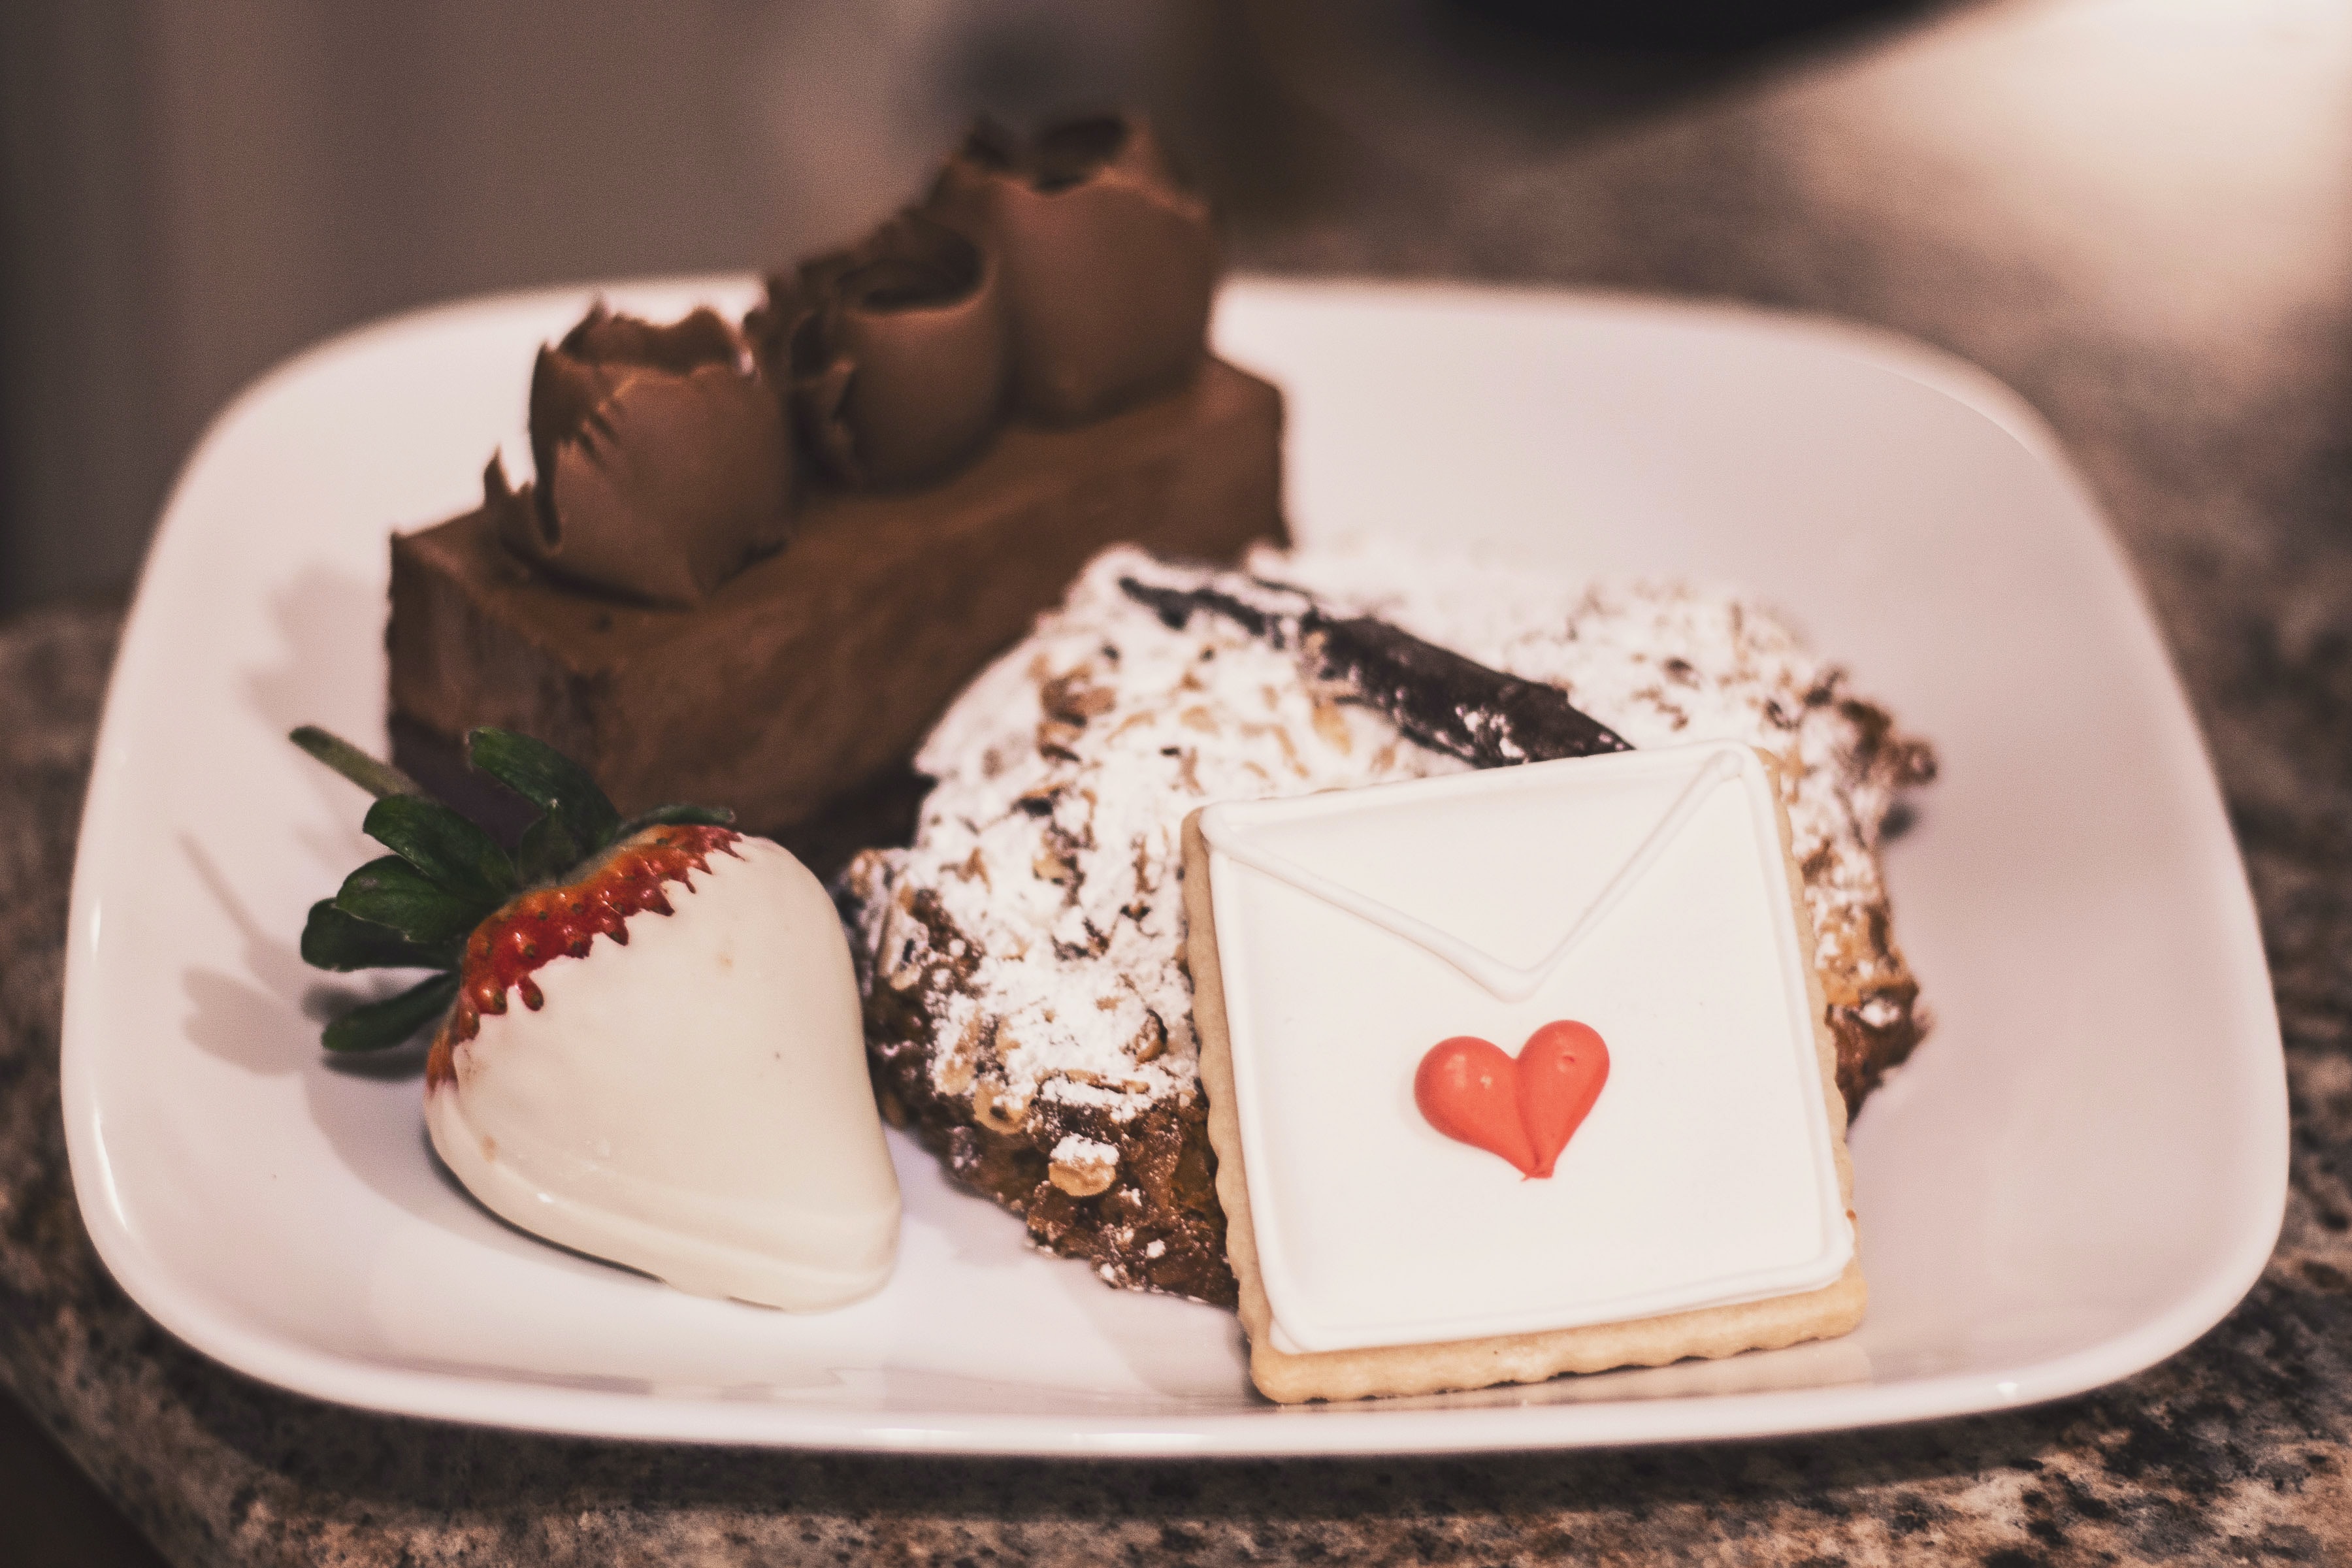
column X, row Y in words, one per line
column 1706, row 1171
column 1221, row 826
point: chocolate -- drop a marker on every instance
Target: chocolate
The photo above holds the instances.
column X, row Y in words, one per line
column 894, row 352
column 1442, row 700
column 664, row 466
column 699, row 338
column 817, row 670
column 1108, row 259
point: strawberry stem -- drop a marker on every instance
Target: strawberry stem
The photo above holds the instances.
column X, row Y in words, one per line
column 379, row 779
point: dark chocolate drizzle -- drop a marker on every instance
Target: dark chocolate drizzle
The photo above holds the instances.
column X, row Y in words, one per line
column 1435, row 695
column 1109, row 259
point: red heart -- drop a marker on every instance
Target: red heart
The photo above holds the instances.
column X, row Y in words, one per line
column 1526, row 1111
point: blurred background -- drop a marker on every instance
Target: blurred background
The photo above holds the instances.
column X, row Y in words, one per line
column 194, row 192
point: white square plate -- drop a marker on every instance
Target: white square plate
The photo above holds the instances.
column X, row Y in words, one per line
column 2084, row 1170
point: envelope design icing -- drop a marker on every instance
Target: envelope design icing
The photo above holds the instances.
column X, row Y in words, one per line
column 1646, row 897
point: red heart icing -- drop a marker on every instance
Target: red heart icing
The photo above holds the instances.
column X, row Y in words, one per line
column 1526, row 1109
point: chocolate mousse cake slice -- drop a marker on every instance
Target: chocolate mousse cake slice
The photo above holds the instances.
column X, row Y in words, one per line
column 755, row 567
column 819, row 668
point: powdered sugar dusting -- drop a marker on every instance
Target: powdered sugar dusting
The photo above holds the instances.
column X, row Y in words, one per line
column 1664, row 666
column 1052, row 841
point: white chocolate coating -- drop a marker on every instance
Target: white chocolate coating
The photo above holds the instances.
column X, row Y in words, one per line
column 694, row 1104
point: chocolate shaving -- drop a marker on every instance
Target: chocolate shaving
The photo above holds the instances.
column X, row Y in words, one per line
column 698, row 338
column 894, row 350
column 1109, row 258
column 663, row 463
column 1435, row 695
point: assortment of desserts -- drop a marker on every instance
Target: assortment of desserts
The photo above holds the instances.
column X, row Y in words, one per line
column 1466, row 976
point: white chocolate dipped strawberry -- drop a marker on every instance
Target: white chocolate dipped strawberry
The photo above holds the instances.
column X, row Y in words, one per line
column 682, row 1088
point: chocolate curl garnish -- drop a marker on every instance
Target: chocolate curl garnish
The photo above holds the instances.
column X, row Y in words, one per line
column 514, row 513
column 1109, row 259
column 1436, row 696
column 663, row 463
column 894, row 352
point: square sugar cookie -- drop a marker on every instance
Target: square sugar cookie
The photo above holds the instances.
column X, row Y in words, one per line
column 1518, row 1072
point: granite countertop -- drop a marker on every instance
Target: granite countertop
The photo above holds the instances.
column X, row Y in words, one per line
column 2136, row 214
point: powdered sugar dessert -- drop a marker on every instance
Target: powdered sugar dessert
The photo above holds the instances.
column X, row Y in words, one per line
column 1028, row 1005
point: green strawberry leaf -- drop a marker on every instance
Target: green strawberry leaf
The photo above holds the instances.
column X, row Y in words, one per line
column 391, row 892
column 451, row 851
column 663, row 815
column 380, row 1025
column 549, row 780
column 333, row 939
column 379, row 779
column 547, row 853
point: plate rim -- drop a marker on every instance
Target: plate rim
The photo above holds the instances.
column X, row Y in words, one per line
column 1269, row 1430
